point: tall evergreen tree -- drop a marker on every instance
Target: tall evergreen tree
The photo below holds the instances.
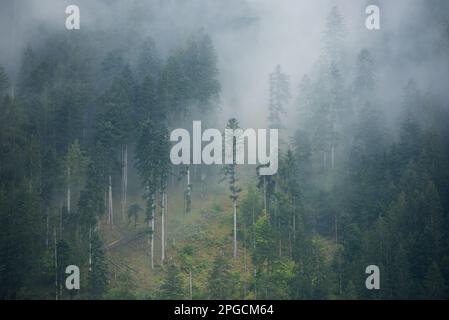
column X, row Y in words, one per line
column 98, row 281
column 229, row 173
column 172, row 287
column 279, row 97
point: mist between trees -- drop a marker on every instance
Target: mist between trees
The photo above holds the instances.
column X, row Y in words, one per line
column 362, row 176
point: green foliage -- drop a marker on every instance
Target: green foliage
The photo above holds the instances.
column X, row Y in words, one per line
column 124, row 289
column 172, row 287
column 279, row 97
column 4, row 82
column 221, row 284
column 355, row 187
column 229, row 170
column 91, row 203
column 133, row 213
column 98, row 273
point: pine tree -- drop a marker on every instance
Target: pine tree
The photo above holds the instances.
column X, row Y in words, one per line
column 114, row 130
column 76, row 163
column 365, row 79
column 27, row 83
column 147, row 164
column 288, row 182
column 91, row 201
column 148, row 102
column 172, row 287
column 148, row 62
column 267, row 185
column 221, row 286
column 152, row 162
column 206, row 80
column 434, row 284
column 98, row 276
column 111, row 66
column 279, row 97
column 334, row 35
column 229, row 173
column 133, row 213
column 4, row 81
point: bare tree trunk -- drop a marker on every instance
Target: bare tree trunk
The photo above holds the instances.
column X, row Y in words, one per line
column 336, row 228
column 254, row 222
column 106, row 207
column 332, row 156
column 245, row 268
column 60, row 222
column 187, row 197
column 255, row 282
column 90, row 248
column 153, row 209
column 56, row 265
column 152, row 243
column 234, row 207
column 110, row 208
column 290, row 244
column 265, row 194
column 47, row 236
column 163, row 228
column 188, row 176
column 190, row 284
column 68, row 190
column 124, row 180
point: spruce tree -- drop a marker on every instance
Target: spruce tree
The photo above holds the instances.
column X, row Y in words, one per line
column 172, row 287
column 220, row 283
column 98, row 273
column 279, row 97
column 229, row 173
column 4, row 82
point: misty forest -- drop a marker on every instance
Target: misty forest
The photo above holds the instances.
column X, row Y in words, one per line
column 86, row 177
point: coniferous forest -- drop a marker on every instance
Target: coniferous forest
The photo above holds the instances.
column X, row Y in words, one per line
column 363, row 170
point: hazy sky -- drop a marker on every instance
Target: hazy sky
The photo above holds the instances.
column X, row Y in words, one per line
column 252, row 37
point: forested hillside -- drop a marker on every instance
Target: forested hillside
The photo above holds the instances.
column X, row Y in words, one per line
column 86, row 177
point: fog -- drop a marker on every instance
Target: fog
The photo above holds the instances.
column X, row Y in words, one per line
column 360, row 179
column 251, row 37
